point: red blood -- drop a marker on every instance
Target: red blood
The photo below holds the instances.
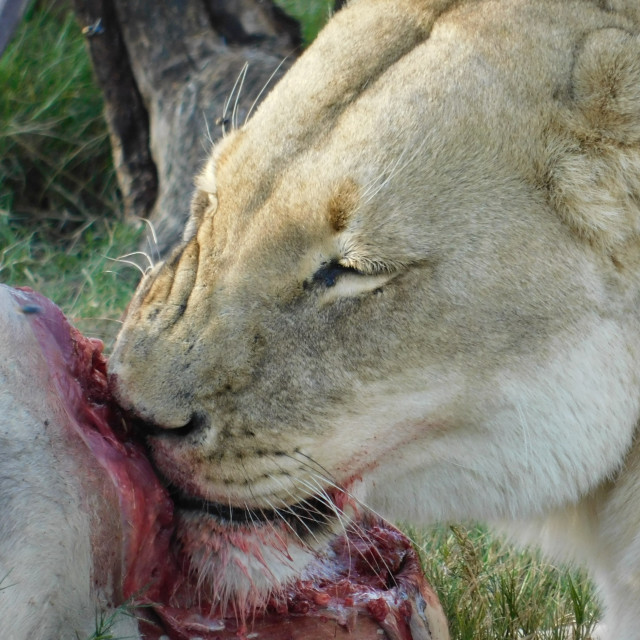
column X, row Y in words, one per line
column 378, row 608
column 322, row 599
column 300, row 607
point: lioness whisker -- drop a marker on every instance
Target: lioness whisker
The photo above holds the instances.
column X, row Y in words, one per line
column 234, row 113
column 287, row 508
column 131, row 263
column 328, row 480
column 286, row 522
column 327, row 474
column 336, row 511
column 209, row 136
column 139, row 253
column 357, row 500
column 375, row 183
column 281, row 540
column 275, row 511
column 248, row 509
column 104, row 318
column 327, row 477
column 264, row 88
column 336, row 486
column 154, row 246
column 223, row 119
column 370, row 192
column 361, row 533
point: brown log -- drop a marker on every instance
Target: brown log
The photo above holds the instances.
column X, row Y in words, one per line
column 125, row 111
column 167, row 69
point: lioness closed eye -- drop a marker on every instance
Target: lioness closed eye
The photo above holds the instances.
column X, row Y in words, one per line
column 413, row 279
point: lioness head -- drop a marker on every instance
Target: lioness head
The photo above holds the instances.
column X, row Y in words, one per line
column 407, row 280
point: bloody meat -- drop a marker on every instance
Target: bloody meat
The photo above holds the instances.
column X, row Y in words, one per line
column 367, row 585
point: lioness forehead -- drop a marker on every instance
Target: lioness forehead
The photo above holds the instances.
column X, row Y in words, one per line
column 447, row 76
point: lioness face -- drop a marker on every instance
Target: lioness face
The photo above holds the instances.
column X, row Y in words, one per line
column 378, row 296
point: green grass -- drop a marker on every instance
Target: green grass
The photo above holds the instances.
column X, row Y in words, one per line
column 54, row 147
column 61, row 228
column 312, row 14
column 491, row 591
column 104, row 626
column 80, row 272
column 60, row 217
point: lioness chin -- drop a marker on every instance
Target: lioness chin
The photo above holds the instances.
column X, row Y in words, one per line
column 411, row 280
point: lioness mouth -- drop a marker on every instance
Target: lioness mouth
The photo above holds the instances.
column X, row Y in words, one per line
column 145, row 428
column 306, row 518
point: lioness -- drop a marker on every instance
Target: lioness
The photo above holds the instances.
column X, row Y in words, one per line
column 412, row 278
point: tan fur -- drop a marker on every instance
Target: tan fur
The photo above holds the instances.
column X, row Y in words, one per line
column 475, row 168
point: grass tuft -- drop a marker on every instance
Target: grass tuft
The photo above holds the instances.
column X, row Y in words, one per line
column 54, row 145
column 491, row 591
column 81, row 272
column 105, row 623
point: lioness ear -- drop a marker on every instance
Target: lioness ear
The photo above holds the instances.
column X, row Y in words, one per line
column 595, row 162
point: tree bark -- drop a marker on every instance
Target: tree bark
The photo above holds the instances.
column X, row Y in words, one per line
column 168, row 70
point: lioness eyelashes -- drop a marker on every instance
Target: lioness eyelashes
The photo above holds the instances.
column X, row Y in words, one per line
column 329, row 273
column 335, row 280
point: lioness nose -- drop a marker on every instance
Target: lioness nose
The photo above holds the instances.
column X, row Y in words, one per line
column 141, row 419
column 197, row 423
